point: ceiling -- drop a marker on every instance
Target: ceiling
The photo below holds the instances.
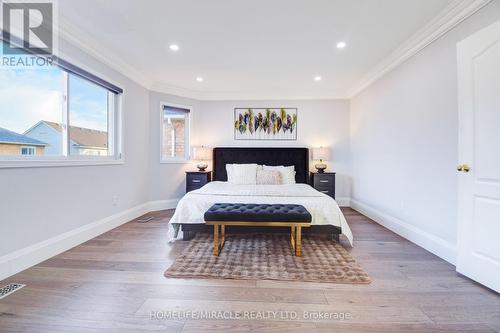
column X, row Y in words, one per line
column 255, row 49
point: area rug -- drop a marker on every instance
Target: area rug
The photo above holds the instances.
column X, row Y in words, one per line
column 268, row 257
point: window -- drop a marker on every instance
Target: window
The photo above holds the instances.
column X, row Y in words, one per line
column 88, row 111
column 58, row 113
column 28, row 151
column 175, row 133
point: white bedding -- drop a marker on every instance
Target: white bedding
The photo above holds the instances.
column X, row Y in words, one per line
column 324, row 210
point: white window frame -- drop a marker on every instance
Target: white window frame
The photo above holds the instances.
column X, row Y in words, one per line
column 115, row 138
column 187, row 135
column 28, row 147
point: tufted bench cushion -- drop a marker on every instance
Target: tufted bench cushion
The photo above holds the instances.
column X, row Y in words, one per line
column 257, row 213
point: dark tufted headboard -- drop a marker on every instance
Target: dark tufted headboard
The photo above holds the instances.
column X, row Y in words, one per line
column 299, row 157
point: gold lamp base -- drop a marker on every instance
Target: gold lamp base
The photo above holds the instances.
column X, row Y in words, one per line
column 320, row 167
column 202, row 166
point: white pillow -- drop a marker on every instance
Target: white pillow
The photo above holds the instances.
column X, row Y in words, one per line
column 242, row 174
column 230, row 173
column 287, row 173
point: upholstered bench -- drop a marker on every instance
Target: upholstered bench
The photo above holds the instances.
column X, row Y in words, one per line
column 222, row 214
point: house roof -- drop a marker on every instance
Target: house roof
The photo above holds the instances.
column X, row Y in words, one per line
column 11, row 137
column 82, row 136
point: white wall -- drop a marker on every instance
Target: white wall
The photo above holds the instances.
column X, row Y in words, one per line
column 320, row 123
column 39, row 203
column 404, row 143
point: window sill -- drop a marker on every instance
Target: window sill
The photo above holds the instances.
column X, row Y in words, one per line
column 13, row 164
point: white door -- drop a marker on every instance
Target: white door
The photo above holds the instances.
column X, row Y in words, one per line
column 479, row 150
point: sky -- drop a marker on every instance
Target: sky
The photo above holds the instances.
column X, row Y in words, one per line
column 30, row 95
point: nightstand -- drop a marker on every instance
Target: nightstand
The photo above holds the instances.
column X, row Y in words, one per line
column 324, row 182
column 196, row 179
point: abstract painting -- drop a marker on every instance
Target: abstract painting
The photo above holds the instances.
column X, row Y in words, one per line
column 265, row 123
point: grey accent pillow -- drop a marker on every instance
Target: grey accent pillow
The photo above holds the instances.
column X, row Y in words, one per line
column 268, row 177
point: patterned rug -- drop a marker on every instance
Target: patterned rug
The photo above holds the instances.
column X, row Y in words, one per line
column 268, row 257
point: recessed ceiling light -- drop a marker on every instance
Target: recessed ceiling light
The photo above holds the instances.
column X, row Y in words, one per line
column 318, row 78
column 174, row 47
column 199, row 79
column 341, row 45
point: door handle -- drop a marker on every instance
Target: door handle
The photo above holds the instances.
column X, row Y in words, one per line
column 463, row 168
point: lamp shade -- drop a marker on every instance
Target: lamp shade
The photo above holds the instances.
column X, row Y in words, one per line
column 320, row 153
column 202, row 153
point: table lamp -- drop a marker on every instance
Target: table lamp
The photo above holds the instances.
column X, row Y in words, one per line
column 320, row 154
column 202, row 154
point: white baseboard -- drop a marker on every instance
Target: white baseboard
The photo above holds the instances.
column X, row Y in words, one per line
column 22, row 259
column 343, row 201
column 431, row 243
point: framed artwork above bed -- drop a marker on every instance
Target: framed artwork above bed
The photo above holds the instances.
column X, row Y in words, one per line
column 265, row 123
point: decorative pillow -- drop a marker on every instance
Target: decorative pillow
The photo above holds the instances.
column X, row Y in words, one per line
column 242, row 174
column 287, row 173
column 268, row 177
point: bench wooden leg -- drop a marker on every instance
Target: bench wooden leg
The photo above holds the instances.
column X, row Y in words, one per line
column 220, row 238
column 223, row 236
column 216, row 240
column 298, row 241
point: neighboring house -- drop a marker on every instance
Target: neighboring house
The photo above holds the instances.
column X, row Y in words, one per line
column 83, row 141
column 174, row 137
column 12, row 143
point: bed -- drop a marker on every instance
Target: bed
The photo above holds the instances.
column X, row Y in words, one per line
column 326, row 214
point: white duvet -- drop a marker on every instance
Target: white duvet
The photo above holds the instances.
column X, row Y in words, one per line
column 191, row 208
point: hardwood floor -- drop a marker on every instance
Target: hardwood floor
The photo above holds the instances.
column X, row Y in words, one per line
column 113, row 283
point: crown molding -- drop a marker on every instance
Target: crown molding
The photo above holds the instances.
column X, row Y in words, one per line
column 170, row 89
column 449, row 18
column 84, row 42
column 244, row 95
